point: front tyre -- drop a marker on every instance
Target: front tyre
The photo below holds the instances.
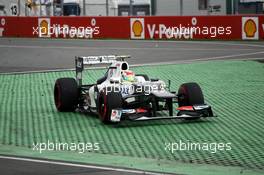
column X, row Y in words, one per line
column 190, row 94
column 107, row 102
column 66, row 94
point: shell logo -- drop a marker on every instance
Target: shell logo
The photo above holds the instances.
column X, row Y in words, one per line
column 250, row 28
column 137, row 28
column 2, row 29
column 44, row 27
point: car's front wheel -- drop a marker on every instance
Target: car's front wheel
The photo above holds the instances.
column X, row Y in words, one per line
column 190, row 94
column 107, row 102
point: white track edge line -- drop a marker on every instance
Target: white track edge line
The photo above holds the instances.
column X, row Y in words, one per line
column 146, row 64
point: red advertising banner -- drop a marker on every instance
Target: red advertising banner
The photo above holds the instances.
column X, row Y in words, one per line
column 261, row 27
column 65, row 27
column 156, row 27
column 202, row 27
column 17, row 26
column 84, row 27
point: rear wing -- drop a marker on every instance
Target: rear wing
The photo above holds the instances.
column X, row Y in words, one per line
column 82, row 61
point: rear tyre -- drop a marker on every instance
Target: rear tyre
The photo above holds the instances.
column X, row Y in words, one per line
column 107, row 102
column 190, row 94
column 66, row 94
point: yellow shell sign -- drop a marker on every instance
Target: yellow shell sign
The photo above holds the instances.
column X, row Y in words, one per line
column 137, row 28
column 44, row 27
column 250, row 28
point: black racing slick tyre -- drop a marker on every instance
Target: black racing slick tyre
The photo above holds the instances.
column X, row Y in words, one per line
column 107, row 102
column 66, row 94
column 190, row 94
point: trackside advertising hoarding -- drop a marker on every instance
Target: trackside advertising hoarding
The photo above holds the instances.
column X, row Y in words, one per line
column 261, row 27
column 158, row 27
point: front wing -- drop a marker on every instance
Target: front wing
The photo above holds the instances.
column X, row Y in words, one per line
column 188, row 112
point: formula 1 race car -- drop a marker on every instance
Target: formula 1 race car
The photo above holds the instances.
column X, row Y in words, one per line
column 121, row 94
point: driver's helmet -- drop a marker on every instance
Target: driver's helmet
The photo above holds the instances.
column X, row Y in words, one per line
column 128, row 76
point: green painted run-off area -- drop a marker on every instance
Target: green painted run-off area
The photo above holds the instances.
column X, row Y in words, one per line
column 235, row 89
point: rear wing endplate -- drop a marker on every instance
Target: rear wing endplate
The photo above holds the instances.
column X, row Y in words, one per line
column 82, row 61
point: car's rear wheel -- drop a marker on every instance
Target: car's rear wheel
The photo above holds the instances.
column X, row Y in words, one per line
column 107, row 102
column 190, row 94
column 66, row 94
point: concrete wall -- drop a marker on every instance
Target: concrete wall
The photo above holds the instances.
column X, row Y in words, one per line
column 223, row 5
column 24, row 11
column 95, row 8
column 7, row 7
column 98, row 7
column 168, row 7
column 190, row 7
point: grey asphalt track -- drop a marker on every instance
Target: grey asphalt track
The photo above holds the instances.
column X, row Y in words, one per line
column 28, row 166
column 18, row 54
